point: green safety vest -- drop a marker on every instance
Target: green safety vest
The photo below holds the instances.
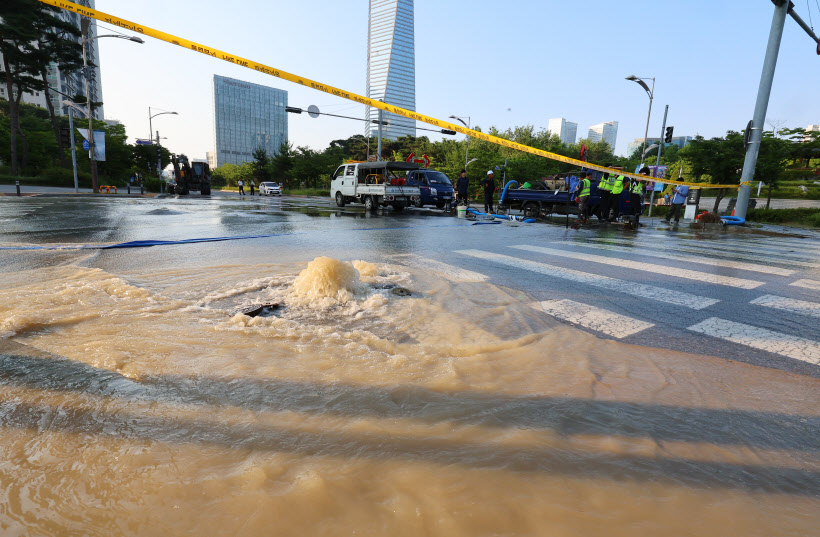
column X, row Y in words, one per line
column 584, row 188
column 605, row 184
column 637, row 187
column 618, row 185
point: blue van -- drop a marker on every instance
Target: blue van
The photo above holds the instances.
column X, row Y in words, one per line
column 436, row 188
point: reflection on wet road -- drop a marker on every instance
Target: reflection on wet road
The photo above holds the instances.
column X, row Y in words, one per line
column 534, row 381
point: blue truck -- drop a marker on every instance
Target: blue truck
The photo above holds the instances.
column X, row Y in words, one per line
column 550, row 197
column 435, row 187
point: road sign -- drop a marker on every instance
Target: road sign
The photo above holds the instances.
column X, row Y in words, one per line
column 86, row 145
column 313, row 111
column 145, row 142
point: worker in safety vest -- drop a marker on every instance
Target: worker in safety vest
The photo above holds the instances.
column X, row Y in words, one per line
column 636, row 192
column 615, row 199
column 582, row 190
column 605, row 192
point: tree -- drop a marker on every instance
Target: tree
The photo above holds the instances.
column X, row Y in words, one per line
column 57, row 42
column 720, row 160
column 260, row 164
column 282, row 163
column 19, row 69
column 771, row 161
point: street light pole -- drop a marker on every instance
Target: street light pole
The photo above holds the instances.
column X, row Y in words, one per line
column 651, row 93
column 84, row 27
column 150, row 134
column 73, row 149
column 466, row 140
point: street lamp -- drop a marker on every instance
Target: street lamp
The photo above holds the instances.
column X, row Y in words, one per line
column 85, row 25
column 651, row 93
column 71, row 107
column 150, row 134
column 466, row 140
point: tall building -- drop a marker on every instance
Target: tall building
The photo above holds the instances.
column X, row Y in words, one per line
column 70, row 83
column 680, row 141
column 566, row 130
column 247, row 116
column 607, row 132
column 391, row 65
column 810, row 128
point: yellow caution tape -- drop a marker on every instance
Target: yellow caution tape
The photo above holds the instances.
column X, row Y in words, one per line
column 262, row 68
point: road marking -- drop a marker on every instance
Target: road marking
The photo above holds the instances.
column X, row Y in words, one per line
column 725, row 263
column 713, row 253
column 647, row 267
column 808, row 284
column 772, row 250
column 600, row 320
column 651, row 292
column 451, row 272
column 801, row 307
column 760, row 338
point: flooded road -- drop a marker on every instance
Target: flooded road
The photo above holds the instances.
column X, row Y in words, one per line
column 133, row 402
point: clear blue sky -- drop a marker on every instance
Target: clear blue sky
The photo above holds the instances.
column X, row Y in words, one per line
column 511, row 63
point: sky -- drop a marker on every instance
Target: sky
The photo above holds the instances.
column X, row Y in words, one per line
column 508, row 64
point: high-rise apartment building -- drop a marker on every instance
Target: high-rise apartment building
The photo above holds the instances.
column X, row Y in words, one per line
column 246, row 117
column 70, row 83
column 810, row 128
column 391, row 65
column 607, row 132
column 566, row 130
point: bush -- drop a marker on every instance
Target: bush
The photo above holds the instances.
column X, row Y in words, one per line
column 809, row 217
column 151, row 184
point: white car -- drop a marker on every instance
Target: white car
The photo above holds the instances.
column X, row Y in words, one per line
column 270, row 189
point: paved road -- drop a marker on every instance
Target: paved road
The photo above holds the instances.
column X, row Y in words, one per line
column 743, row 296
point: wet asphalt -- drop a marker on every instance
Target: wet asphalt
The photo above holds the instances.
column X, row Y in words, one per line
column 626, row 276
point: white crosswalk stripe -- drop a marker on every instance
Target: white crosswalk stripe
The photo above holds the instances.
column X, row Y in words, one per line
column 635, row 289
column 802, row 307
column 808, row 284
column 752, row 267
column 607, row 322
column 647, row 267
column 760, row 338
column 760, row 251
column 779, row 261
column 450, row 272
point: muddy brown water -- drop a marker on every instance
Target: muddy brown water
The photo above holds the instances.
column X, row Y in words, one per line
column 134, row 404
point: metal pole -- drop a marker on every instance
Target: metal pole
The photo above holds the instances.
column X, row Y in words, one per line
column 466, row 145
column 658, row 162
column 91, row 148
column 150, row 125
column 648, row 115
column 73, row 149
column 379, row 148
column 767, row 76
column 159, row 165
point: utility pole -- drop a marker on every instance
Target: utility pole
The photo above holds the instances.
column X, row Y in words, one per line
column 91, row 148
column 73, row 149
column 658, row 162
column 159, row 164
column 379, row 147
column 761, row 105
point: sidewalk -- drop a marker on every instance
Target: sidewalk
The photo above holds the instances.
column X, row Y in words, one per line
column 708, row 203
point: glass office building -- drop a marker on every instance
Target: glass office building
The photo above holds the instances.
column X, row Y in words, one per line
column 247, row 116
column 391, row 65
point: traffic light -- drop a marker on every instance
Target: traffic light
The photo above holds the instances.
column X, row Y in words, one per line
column 65, row 137
column 668, row 138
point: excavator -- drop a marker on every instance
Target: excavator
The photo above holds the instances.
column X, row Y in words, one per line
column 189, row 177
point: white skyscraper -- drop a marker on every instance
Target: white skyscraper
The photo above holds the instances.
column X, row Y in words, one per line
column 566, row 130
column 607, row 132
column 391, row 65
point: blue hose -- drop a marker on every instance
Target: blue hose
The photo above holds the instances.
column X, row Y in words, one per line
column 504, row 192
column 733, row 220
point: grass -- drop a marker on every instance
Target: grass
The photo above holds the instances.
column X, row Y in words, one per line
column 804, row 217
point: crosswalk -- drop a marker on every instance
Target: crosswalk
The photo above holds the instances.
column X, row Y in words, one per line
column 758, row 315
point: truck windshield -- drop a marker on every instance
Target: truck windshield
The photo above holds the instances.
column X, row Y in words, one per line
column 438, row 178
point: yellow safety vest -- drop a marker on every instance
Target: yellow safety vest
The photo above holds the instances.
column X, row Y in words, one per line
column 618, row 185
column 637, row 187
column 605, row 184
column 584, row 188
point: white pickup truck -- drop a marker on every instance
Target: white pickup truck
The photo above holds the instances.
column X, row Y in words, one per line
column 374, row 184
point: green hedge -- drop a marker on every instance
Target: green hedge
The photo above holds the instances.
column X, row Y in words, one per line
column 809, row 217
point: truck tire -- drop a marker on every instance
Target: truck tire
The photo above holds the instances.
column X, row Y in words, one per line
column 206, row 191
column 531, row 209
column 440, row 205
column 369, row 203
column 417, row 203
column 398, row 207
column 340, row 200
